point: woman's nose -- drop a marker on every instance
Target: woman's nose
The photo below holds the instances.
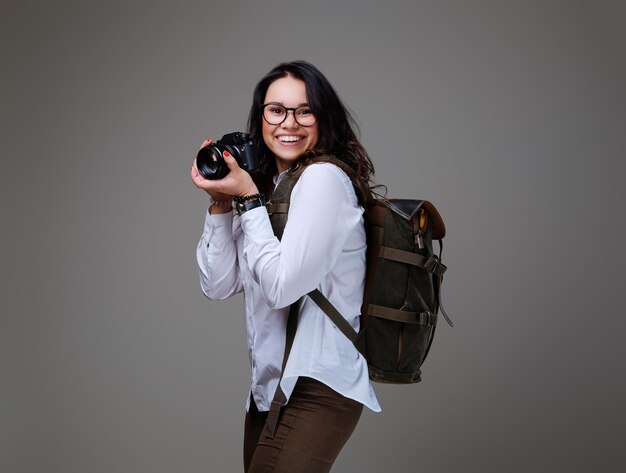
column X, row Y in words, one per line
column 290, row 120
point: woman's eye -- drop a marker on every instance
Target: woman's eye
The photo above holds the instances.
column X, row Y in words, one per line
column 303, row 112
column 277, row 110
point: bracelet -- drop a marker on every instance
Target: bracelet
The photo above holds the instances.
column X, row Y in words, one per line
column 220, row 203
column 240, row 199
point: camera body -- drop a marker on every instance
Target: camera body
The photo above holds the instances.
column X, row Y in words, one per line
column 210, row 159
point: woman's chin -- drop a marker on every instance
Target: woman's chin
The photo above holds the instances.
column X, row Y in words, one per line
column 285, row 160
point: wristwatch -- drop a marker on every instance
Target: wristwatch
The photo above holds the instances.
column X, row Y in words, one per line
column 242, row 205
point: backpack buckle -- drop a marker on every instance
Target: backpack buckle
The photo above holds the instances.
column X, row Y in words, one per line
column 427, row 318
column 431, row 264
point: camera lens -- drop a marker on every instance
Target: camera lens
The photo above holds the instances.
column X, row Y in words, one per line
column 210, row 163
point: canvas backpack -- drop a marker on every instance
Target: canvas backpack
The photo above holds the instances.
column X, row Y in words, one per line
column 402, row 296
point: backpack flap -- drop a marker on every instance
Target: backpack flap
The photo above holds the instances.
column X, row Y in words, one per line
column 408, row 208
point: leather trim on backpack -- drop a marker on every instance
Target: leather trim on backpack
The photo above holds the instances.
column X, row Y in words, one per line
column 407, row 208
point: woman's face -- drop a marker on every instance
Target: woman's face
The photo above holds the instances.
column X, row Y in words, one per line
column 289, row 140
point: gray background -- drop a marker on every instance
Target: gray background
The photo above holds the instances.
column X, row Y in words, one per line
column 509, row 115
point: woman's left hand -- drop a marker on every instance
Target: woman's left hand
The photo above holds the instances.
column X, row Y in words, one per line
column 236, row 183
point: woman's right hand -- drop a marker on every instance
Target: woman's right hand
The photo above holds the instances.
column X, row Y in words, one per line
column 201, row 182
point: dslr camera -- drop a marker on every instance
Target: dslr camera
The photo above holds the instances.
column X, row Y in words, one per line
column 210, row 159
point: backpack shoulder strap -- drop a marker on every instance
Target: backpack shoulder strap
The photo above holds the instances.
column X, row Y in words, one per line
column 278, row 205
column 279, row 396
column 333, row 314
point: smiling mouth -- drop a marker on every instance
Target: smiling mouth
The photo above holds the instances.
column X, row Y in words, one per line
column 289, row 139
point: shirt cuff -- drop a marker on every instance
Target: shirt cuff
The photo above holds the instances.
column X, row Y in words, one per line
column 256, row 224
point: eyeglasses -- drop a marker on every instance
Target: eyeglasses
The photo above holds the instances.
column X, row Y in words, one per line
column 275, row 114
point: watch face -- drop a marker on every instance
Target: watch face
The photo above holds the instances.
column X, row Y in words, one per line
column 250, row 204
column 240, row 207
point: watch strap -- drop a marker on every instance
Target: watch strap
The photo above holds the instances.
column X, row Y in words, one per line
column 244, row 206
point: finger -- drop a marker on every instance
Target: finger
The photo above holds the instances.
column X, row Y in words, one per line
column 206, row 142
column 194, row 168
column 230, row 161
column 197, row 178
column 203, row 183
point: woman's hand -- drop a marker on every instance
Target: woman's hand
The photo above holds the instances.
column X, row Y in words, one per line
column 236, row 183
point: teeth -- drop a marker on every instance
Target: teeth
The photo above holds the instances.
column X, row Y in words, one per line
column 290, row 138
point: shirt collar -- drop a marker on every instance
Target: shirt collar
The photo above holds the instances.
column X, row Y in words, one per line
column 278, row 177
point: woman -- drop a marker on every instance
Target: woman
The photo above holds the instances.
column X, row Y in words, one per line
column 295, row 115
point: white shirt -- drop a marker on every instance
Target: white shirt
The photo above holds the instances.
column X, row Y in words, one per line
column 323, row 247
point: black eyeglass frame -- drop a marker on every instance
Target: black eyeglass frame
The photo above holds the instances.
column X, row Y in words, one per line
column 287, row 110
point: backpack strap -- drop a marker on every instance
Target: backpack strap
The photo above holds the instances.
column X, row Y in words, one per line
column 279, row 396
column 342, row 324
column 278, row 206
column 333, row 314
column 272, row 208
column 430, row 264
column 397, row 315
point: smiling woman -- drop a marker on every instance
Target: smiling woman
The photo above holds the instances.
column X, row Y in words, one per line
column 296, row 117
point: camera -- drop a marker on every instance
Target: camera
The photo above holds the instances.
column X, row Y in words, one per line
column 210, row 159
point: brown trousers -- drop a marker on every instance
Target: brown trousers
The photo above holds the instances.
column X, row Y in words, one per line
column 314, row 426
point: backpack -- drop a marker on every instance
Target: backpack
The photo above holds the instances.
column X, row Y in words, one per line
column 402, row 284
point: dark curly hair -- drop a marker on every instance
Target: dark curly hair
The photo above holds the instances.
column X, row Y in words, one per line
column 336, row 124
